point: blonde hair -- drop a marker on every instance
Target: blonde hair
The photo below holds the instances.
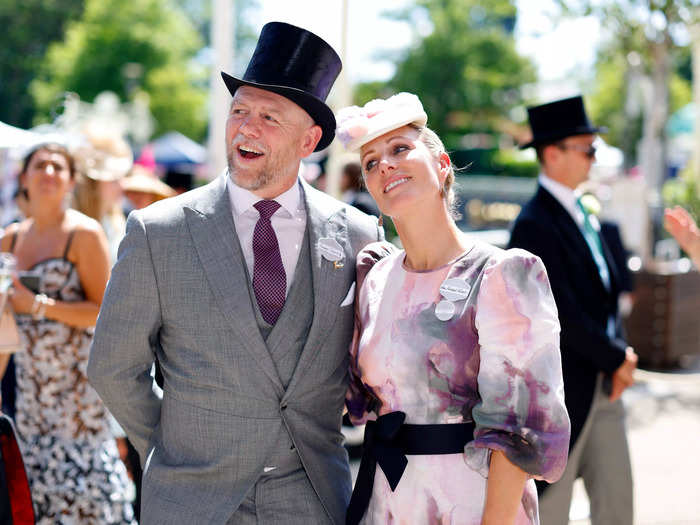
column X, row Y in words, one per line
column 86, row 197
column 435, row 146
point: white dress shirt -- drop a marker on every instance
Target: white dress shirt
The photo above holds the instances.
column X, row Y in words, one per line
column 568, row 198
column 289, row 223
column 565, row 196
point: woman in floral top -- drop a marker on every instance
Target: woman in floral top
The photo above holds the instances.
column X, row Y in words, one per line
column 455, row 360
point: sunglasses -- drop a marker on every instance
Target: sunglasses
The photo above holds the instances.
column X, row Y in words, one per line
column 588, row 151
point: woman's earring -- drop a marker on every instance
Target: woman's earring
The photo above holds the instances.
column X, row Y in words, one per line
column 380, row 221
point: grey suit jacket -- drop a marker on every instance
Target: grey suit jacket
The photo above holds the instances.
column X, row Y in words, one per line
column 178, row 291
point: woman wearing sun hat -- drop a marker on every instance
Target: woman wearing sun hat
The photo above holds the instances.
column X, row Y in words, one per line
column 455, row 360
column 102, row 160
column 143, row 188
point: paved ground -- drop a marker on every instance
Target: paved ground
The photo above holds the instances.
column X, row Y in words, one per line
column 664, row 434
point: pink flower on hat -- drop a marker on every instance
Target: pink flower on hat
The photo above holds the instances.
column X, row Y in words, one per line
column 359, row 125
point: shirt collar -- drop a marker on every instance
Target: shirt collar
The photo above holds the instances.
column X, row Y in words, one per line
column 565, row 195
column 243, row 200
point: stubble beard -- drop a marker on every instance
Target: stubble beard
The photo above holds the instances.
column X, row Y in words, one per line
column 247, row 178
column 270, row 174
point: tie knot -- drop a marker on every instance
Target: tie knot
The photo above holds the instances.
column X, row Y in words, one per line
column 266, row 208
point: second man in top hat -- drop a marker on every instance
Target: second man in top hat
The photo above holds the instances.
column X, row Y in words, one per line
column 243, row 291
column 597, row 363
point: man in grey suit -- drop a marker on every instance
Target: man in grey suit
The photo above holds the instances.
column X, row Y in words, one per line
column 242, row 290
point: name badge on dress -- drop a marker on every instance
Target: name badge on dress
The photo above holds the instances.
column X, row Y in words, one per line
column 453, row 289
column 445, row 310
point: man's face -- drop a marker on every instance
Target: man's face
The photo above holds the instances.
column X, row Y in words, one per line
column 570, row 160
column 267, row 135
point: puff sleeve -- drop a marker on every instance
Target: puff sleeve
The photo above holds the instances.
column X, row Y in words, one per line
column 521, row 408
column 358, row 399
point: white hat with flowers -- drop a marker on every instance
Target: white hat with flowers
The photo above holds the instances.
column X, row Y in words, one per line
column 359, row 125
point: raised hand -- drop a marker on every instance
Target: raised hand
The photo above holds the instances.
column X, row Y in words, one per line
column 681, row 225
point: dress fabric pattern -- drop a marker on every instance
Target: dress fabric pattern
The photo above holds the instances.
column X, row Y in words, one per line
column 495, row 362
column 74, row 470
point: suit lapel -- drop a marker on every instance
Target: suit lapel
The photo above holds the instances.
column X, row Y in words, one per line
column 571, row 231
column 216, row 242
column 610, row 261
column 324, row 219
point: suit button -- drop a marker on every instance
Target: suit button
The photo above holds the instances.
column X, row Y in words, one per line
column 284, row 406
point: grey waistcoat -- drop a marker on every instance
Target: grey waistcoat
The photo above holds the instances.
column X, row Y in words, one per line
column 296, row 317
column 294, row 323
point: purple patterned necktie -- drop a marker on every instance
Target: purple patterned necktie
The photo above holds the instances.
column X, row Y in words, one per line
column 269, row 279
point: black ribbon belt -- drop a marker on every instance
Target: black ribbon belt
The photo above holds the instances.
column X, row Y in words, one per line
column 388, row 441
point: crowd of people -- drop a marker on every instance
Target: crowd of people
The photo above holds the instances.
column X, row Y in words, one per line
column 489, row 380
column 64, row 243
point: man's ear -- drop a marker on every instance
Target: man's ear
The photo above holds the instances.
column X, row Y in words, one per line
column 312, row 136
column 550, row 153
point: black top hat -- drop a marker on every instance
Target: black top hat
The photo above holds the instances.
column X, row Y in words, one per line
column 298, row 65
column 557, row 120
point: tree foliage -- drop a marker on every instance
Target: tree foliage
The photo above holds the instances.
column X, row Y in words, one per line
column 645, row 44
column 199, row 12
column 129, row 47
column 609, row 104
column 29, row 26
column 466, row 71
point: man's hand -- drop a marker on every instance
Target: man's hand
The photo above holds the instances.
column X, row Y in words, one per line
column 623, row 377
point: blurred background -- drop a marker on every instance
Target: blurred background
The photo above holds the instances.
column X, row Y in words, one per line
column 148, row 72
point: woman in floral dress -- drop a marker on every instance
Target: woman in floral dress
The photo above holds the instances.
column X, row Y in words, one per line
column 455, row 360
column 74, row 470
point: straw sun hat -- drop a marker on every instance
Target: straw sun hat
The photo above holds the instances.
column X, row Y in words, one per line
column 103, row 156
column 142, row 181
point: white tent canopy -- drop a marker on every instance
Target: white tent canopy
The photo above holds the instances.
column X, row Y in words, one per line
column 12, row 141
column 12, row 137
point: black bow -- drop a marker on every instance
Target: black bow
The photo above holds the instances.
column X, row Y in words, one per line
column 379, row 447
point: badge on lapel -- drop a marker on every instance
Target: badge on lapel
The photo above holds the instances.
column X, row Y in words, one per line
column 332, row 251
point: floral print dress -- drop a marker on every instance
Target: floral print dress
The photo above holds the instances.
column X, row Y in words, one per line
column 74, row 470
column 495, row 361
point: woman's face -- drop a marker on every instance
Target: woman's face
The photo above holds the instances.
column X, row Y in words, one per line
column 401, row 173
column 47, row 177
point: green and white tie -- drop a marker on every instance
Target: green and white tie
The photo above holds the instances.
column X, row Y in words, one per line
column 593, row 240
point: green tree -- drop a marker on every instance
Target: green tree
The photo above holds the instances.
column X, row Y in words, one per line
column 609, row 106
column 646, row 39
column 199, row 13
column 466, row 71
column 129, row 47
column 29, row 26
